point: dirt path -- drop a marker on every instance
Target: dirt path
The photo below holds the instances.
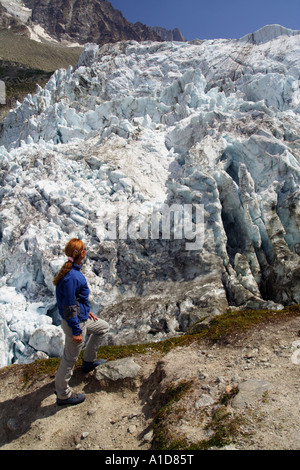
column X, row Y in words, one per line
column 262, row 365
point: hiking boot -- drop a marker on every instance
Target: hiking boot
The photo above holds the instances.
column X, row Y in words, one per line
column 73, row 399
column 89, row 366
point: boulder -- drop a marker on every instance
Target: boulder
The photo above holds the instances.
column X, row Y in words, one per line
column 117, row 373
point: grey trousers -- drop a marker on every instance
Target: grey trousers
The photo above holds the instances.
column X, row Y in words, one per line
column 96, row 329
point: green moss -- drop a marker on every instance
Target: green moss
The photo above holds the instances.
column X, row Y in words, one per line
column 38, row 368
column 219, row 328
column 228, row 396
column 235, row 322
column 162, row 347
column 163, row 438
column 225, row 427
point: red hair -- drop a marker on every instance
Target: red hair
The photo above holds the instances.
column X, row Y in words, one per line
column 73, row 249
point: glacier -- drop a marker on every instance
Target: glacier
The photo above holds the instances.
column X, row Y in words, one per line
column 208, row 122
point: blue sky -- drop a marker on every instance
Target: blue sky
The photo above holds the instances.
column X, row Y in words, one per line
column 211, row 19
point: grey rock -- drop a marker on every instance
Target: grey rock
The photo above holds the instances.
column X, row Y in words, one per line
column 12, row 424
column 116, row 371
column 204, row 400
column 250, row 392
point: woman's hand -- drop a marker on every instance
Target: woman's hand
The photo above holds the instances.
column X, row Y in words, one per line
column 77, row 339
column 92, row 316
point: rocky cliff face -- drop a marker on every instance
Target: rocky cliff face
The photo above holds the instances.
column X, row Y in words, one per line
column 78, row 21
column 169, row 35
column 85, row 21
column 133, row 131
column 11, row 22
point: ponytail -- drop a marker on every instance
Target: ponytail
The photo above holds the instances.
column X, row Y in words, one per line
column 72, row 249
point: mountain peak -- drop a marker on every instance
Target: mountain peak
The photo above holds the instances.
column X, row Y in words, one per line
column 77, row 22
column 169, row 35
column 85, row 21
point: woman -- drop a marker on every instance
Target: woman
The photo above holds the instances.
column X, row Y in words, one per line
column 72, row 294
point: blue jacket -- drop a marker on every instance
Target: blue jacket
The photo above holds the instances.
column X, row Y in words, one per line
column 72, row 294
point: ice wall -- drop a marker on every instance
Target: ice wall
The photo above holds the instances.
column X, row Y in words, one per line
column 213, row 123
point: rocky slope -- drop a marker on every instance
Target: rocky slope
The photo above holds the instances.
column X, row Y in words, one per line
column 242, row 394
column 76, row 22
column 85, row 21
column 18, row 80
column 133, row 131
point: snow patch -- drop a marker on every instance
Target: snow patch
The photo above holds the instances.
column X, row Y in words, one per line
column 268, row 33
column 17, row 8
